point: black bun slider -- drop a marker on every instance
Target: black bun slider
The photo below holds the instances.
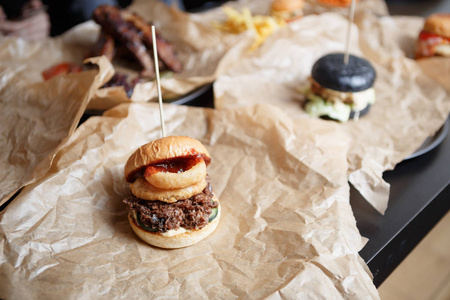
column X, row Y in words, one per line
column 331, row 73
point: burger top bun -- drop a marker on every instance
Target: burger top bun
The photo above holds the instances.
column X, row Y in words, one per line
column 287, row 5
column 160, row 150
column 331, row 73
column 438, row 24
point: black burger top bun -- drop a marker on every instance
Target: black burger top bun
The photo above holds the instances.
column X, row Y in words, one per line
column 331, row 72
column 340, row 91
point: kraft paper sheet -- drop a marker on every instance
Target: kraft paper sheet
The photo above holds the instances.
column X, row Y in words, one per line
column 36, row 119
column 286, row 231
column 413, row 98
column 203, row 50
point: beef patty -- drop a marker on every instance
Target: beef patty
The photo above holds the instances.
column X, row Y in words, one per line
column 192, row 213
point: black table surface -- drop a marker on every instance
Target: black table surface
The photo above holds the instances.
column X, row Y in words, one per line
column 420, row 188
column 419, row 198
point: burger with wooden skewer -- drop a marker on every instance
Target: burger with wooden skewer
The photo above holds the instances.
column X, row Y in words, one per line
column 340, row 91
column 172, row 203
column 341, row 85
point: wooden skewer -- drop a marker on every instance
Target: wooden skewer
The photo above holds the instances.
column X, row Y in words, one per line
column 347, row 42
column 158, row 82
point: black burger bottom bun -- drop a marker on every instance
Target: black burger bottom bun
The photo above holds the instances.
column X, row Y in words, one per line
column 356, row 114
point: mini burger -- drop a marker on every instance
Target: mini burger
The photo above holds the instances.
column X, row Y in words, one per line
column 340, row 91
column 172, row 205
column 288, row 10
column 434, row 39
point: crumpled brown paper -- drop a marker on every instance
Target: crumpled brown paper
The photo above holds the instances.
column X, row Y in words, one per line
column 287, row 229
column 203, row 51
column 36, row 119
column 397, row 36
column 410, row 105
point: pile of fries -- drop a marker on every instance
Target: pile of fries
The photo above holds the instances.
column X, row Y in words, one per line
column 238, row 22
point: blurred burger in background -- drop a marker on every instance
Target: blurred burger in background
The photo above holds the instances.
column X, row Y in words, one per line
column 434, row 39
column 288, row 10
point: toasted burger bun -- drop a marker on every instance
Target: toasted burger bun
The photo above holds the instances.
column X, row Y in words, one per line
column 331, row 73
column 144, row 190
column 438, row 24
column 177, row 241
column 161, row 150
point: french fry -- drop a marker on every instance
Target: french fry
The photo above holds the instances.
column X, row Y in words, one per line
column 238, row 22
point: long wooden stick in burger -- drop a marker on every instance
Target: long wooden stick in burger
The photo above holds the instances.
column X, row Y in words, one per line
column 172, row 203
column 158, row 82
column 349, row 31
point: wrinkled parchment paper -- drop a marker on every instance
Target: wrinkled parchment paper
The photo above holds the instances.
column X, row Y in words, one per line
column 36, row 119
column 287, row 229
column 203, row 51
column 410, row 106
column 396, row 36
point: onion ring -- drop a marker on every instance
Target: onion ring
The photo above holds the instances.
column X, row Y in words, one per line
column 171, row 181
column 144, row 190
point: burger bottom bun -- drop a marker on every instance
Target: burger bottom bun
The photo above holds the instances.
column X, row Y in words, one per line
column 352, row 115
column 177, row 241
column 361, row 113
column 168, row 180
column 144, row 190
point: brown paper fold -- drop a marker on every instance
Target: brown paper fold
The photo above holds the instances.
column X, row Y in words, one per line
column 38, row 118
column 287, row 229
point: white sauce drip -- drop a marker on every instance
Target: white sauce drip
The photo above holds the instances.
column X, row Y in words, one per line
column 174, row 232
